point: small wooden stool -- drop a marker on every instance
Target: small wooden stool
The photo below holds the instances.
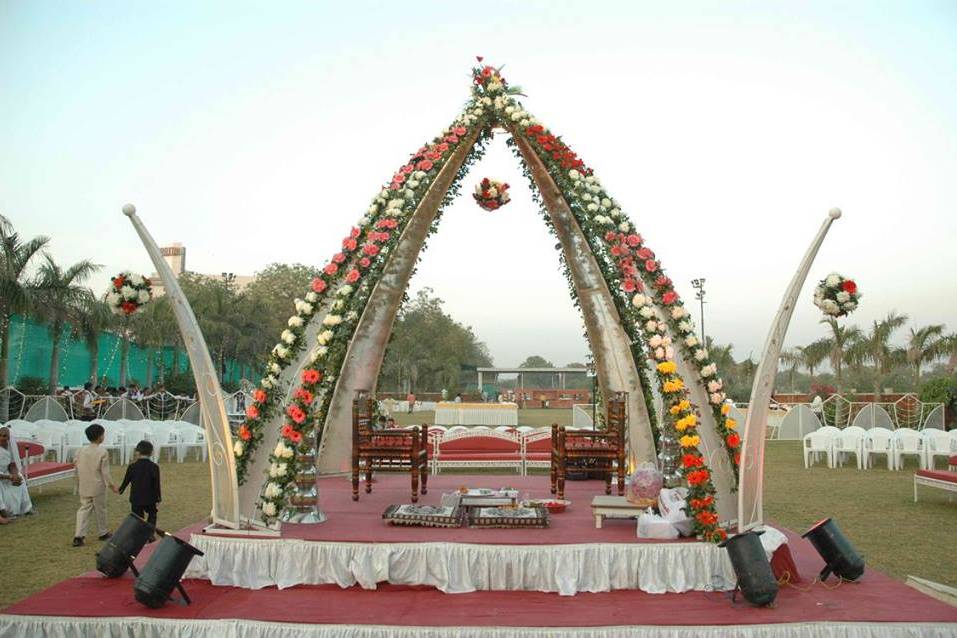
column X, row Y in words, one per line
column 614, row 506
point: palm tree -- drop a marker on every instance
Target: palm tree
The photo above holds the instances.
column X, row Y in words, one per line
column 839, row 343
column 875, row 348
column 16, row 292
column 923, row 346
column 948, row 348
column 92, row 318
column 59, row 295
column 792, row 359
column 813, row 355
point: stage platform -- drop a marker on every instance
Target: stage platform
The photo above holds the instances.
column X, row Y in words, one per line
column 876, row 606
column 355, row 546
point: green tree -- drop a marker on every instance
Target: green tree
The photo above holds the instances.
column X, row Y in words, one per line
column 16, row 292
column 923, row 346
column 839, row 343
column 60, row 296
column 875, row 348
column 93, row 317
column 271, row 296
column 537, row 379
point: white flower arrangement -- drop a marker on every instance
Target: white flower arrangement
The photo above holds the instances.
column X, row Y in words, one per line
column 647, row 312
column 640, row 300
column 709, row 370
column 331, row 320
column 324, row 337
column 691, row 341
column 288, row 336
column 238, row 448
column 700, row 354
column 283, row 451
column 269, row 509
column 272, row 490
column 311, row 296
column 344, row 291
column 678, row 312
column 714, row 386
column 128, row 294
column 836, row 295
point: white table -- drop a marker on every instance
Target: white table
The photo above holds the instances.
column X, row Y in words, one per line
column 492, row 414
column 614, row 507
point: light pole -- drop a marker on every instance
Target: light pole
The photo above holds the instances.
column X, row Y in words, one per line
column 698, row 285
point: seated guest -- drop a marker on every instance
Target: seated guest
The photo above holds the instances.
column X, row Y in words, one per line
column 379, row 424
column 390, row 424
column 13, row 485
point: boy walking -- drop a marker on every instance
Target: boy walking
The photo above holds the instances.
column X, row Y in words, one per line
column 93, row 477
column 143, row 475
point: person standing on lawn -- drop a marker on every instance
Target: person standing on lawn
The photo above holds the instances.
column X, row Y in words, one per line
column 93, row 478
column 143, row 475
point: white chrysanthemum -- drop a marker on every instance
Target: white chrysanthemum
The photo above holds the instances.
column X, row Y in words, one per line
column 332, row 320
column 304, row 308
column 700, row 354
column 238, row 448
column 295, row 322
column 669, row 353
column 655, row 341
column 709, row 370
column 412, row 183
column 685, row 326
column 272, row 490
column 524, row 123
column 593, row 208
column 717, row 398
column 395, row 203
column 324, row 337
column 351, row 315
column 586, row 197
column 320, row 352
column 606, row 202
column 344, row 291
column 659, row 353
column 137, row 280
column 614, row 213
column 364, row 222
column 142, row 296
column 691, row 341
column 833, row 280
column 288, row 336
column 714, row 386
column 275, row 368
column 574, row 174
column 646, row 312
column 311, row 296
column 339, row 304
column 624, row 227
column 651, row 325
column 678, row 312
column 639, row 300
column 266, row 382
column 269, row 509
column 373, row 210
column 129, row 293
column 843, row 297
column 829, row 306
column 113, row 298
column 419, row 175
column 850, row 305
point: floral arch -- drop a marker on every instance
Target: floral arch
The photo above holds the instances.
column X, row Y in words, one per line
column 335, row 342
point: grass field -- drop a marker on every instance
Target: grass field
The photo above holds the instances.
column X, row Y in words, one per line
column 875, row 508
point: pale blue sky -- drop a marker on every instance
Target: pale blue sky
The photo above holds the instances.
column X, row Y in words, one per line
column 258, row 132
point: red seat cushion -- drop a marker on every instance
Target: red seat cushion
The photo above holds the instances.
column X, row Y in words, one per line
column 479, row 444
column 44, row 468
column 952, row 460
column 29, row 448
column 541, row 445
column 538, row 456
column 938, row 475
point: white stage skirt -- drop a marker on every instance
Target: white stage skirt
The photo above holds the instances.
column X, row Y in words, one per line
column 492, row 414
column 462, row 567
column 75, row 627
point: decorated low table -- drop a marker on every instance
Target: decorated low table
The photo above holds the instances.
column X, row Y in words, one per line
column 615, row 507
column 481, row 497
column 424, row 515
column 508, row 517
column 490, row 414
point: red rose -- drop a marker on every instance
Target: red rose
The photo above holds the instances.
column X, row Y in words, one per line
column 691, row 460
column 370, row 249
column 355, row 232
column 849, row 286
column 119, row 281
column 733, row 440
column 707, row 518
column 128, row 307
column 633, row 240
column 433, row 155
column 244, row 432
column 338, row 258
column 425, row 165
column 296, row 414
column 318, row 285
column 610, row 236
column 364, row 262
column 252, row 412
column 398, row 179
column 460, row 130
column 442, row 147
column 349, row 244
column 295, row 437
column 286, row 431
column 303, row 395
column 646, row 253
column 353, row 276
column 311, row 376
column 669, row 297
column 616, row 250
column 737, row 458
column 452, row 139
column 629, row 285
column 651, row 265
column 662, row 282
column 259, row 396
column 408, row 168
column 331, row 269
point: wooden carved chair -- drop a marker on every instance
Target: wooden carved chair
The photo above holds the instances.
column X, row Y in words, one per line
column 386, row 449
column 598, row 450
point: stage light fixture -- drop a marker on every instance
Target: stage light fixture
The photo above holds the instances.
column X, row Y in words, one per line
column 155, row 584
column 751, row 567
column 124, row 546
column 830, row 542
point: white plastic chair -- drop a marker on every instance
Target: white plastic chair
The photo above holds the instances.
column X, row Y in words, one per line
column 190, row 437
column 819, row 442
column 22, row 430
column 850, row 440
column 51, row 435
column 937, row 443
column 879, row 441
column 74, row 439
column 162, row 434
column 907, row 442
column 133, row 433
column 113, row 438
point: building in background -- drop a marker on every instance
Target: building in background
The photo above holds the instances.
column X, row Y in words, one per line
column 175, row 256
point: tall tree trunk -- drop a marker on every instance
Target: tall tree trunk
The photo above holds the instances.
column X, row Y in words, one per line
column 175, row 361
column 124, row 356
column 4, row 363
column 94, row 349
column 56, row 332
column 149, row 369
column 162, row 366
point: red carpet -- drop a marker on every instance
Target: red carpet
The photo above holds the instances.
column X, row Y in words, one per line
column 876, row 598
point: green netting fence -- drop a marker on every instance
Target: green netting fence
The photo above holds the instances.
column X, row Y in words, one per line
column 31, row 346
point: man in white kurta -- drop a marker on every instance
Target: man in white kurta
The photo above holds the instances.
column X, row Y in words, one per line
column 14, row 496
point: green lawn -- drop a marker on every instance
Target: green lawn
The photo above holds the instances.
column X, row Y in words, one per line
column 875, row 508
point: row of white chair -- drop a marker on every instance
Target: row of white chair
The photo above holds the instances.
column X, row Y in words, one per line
column 836, row 445
column 64, row 438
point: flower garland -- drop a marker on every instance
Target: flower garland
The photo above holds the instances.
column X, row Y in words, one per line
column 310, row 401
column 836, row 295
column 128, row 294
column 611, row 237
column 491, row 195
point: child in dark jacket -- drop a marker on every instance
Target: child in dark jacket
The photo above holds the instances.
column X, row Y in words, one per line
column 144, row 477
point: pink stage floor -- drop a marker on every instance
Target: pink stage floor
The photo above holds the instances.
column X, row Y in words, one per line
column 876, row 598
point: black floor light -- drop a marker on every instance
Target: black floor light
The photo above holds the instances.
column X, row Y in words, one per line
column 155, row 583
column 830, row 542
column 125, row 545
column 751, row 567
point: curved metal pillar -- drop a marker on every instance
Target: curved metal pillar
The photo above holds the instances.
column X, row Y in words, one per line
column 610, row 345
column 751, row 473
column 360, row 369
column 222, row 464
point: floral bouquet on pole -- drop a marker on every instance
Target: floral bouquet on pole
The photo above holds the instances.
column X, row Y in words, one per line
column 836, row 295
column 490, row 194
column 128, row 294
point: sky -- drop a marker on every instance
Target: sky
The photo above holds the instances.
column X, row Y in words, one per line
column 256, row 133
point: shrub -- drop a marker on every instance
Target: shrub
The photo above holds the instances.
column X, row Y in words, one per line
column 32, row 385
column 941, row 390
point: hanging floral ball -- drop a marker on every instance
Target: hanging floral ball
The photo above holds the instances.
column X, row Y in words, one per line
column 836, row 295
column 491, row 194
column 128, row 294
